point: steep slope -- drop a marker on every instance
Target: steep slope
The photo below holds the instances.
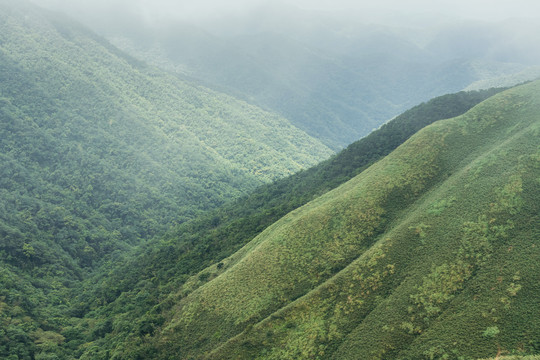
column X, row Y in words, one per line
column 85, row 125
column 99, row 152
column 163, row 265
column 430, row 253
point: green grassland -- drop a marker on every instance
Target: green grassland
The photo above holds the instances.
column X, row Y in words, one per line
column 430, row 253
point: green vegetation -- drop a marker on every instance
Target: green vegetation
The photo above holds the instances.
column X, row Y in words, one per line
column 349, row 274
column 98, row 153
column 516, row 357
column 213, row 237
column 401, row 246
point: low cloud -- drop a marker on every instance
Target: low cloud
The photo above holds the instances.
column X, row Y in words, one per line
column 156, row 10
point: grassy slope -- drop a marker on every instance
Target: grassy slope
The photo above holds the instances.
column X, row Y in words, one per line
column 431, row 251
column 164, row 265
column 221, row 232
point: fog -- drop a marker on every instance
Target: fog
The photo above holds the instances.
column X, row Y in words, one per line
column 210, row 39
column 152, row 11
column 332, row 67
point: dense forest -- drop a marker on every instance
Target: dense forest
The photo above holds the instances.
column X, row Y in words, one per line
column 100, row 152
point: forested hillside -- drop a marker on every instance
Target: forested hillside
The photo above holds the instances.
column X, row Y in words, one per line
column 99, row 152
column 89, row 132
column 135, row 292
column 429, row 253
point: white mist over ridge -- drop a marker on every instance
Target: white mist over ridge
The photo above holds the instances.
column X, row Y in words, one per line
column 421, row 22
column 382, row 10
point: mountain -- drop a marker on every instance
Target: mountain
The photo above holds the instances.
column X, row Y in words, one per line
column 164, row 265
column 406, row 245
column 333, row 76
column 532, row 72
column 336, row 98
column 432, row 252
column 100, row 152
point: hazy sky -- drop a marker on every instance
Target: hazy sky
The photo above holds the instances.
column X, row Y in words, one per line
column 194, row 9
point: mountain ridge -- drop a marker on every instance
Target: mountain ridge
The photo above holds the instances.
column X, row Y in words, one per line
column 506, row 203
column 406, row 245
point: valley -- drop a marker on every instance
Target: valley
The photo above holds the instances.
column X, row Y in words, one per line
column 284, row 183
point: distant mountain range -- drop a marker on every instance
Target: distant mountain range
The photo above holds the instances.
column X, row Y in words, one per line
column 329, row 74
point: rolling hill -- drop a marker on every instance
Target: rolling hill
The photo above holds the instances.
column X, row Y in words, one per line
column 431, row 252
